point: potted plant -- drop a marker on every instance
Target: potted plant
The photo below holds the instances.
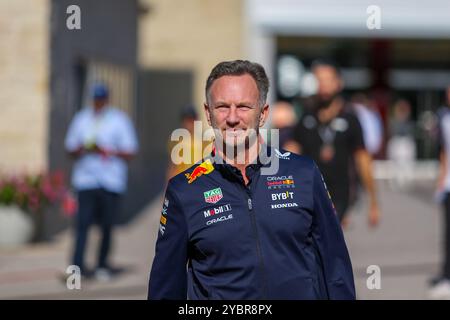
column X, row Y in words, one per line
column 23, row 201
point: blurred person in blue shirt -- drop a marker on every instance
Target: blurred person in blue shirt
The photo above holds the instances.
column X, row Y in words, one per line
column 102, row 140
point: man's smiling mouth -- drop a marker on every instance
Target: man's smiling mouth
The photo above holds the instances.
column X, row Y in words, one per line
column 234, row 132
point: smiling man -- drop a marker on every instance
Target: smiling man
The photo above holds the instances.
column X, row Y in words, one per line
column 228, row 230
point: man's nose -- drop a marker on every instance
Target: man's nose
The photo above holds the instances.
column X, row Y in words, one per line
column 233, row 117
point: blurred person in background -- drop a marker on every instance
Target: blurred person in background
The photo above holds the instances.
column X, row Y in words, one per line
column 102, row 140
column 283, row 118
column 401, row 147
column 372, row 128
column 370, row 120
column 332, row 136
column 192, row 144
column 440, row 286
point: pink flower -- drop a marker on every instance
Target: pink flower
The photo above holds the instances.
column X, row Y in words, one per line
column 35, row 192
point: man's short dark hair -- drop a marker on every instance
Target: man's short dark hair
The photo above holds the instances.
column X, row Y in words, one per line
column 188, row 112
column 238, row 68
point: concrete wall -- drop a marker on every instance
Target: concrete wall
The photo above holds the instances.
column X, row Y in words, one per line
column 24, row 73
column 193, row 35
column 101, row 38
column 190, row 35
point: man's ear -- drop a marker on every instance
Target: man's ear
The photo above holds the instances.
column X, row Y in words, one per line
column 264, row 115
column 208, row 115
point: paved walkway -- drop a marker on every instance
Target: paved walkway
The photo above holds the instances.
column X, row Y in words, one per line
column 35, row 272
column 405, row 247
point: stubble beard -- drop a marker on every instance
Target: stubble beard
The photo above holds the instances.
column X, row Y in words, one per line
column 235, row 148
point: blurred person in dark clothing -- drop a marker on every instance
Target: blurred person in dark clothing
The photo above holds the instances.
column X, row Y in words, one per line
column 102, row 140
column 440, row 288
column 330, row 134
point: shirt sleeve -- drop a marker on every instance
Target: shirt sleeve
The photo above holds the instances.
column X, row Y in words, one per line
column 330, row 244
column 128, row 141
column 168, row 277
column 356, row 134
column 73, row 138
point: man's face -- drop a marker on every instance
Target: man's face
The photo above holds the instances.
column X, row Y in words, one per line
column 100, row 103
column 329, row 82
column 234, row 108
column 188, row 123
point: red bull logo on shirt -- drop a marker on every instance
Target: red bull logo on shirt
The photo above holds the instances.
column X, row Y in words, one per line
column 203, row 168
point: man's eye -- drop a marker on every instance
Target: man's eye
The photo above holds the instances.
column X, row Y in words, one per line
column 222, row 106
column 244, row 107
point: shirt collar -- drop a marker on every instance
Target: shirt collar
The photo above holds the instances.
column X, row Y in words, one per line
column 102, row 112
column 251, row 170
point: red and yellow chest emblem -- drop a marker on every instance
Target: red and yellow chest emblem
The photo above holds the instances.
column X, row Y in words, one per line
column 203, row 168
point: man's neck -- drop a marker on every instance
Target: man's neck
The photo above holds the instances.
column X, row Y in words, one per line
column 240, row 161
column 329, row 113
column 98, row 110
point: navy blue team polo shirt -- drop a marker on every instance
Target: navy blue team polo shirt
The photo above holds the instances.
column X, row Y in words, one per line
column 277, row 237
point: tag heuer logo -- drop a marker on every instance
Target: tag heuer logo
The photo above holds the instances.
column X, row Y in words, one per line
column 214, row 195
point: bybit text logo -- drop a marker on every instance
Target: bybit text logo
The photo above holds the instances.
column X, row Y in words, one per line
column 282, row 196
